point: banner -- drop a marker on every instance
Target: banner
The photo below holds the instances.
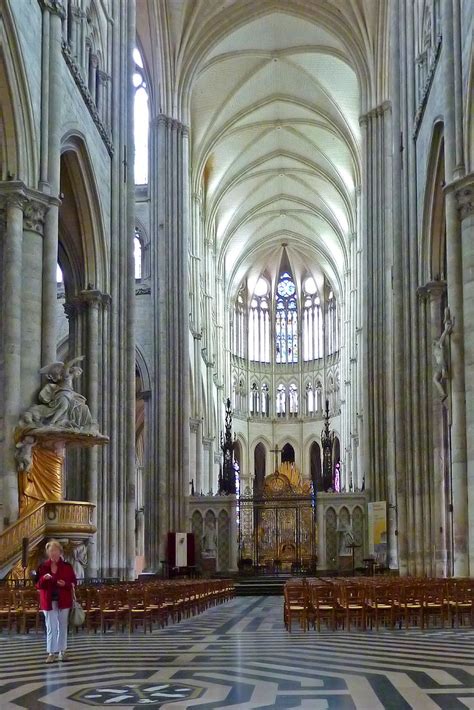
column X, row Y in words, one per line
column 377, row 514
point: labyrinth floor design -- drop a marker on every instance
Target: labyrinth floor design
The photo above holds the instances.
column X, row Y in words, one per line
column 239, row 656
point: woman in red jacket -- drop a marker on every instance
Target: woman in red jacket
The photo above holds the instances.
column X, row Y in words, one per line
column 55, row 581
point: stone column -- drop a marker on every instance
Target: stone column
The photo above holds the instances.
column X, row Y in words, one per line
column 92, row 301
column 93, row 68
column 31, row 292
column 170, row 227
column 455, row 303
column 12, row 205
column 436, row 423
column 464, row 195
column 53, row 13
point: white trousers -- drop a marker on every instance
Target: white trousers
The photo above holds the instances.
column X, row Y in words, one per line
column 56, row 629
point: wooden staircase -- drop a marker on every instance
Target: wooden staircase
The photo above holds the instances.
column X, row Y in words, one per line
column 48, row 519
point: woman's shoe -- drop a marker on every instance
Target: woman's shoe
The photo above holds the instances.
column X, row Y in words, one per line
column 50, row 658
column 63, row 656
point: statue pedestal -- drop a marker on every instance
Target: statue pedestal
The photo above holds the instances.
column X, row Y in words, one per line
column 208, row 565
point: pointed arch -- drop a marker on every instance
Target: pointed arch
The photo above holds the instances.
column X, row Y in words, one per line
column 433, row 259
column 83, row 243
column 18, row 144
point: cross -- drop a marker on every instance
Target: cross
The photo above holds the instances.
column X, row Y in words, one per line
column 275, row 451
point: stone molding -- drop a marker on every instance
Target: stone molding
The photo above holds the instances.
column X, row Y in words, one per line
column 86, row 95
column 172, row 123
column 142, row 290
column 426, row 89
column 375, row 112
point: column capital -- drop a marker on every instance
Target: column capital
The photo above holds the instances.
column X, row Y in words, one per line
column 464, row 194
column 194, row 424
column 103, row 76
column 70, row 309
column 432, row 290
column 94, row 297
column 15, row 191
column 33, row 216
column 55, row 7
column 170, row 122
column 144, row 395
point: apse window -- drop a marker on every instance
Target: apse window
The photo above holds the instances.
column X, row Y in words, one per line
column 286, row 321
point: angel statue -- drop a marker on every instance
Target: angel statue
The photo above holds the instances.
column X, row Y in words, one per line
column 60, row 405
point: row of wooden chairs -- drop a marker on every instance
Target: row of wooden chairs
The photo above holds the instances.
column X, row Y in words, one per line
column 366, row 603
column 122, row 606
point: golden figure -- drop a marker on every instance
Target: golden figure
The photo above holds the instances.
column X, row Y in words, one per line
column 42, row 481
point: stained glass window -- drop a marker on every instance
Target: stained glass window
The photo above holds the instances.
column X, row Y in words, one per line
column 141, row 120
column 312, row 321
column 286, row 320
column 332, row 326
column 259, row 323
column 138, row 256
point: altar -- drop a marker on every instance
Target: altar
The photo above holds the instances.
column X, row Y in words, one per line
column 278, row 523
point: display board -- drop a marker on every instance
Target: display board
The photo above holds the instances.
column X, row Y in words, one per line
column 377, row 523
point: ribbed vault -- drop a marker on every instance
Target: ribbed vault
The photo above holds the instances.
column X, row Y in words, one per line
column 276, row 146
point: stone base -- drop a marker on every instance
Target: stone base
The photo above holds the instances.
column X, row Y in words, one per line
column 208, row 566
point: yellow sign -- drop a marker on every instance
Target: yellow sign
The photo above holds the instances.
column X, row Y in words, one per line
column 378, row 531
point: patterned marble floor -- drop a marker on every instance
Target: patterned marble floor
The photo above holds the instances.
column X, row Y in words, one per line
column 238, row 655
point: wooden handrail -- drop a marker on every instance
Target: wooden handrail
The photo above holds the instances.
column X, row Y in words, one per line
column 48, row 518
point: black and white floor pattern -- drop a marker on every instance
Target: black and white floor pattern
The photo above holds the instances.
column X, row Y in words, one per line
column 237, row 656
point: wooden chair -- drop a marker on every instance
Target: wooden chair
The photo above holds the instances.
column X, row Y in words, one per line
column 322, row 605
column 111, row 609
column 156, row 604
column 138, row 612
column 7, row 608
column 435, row 603
column 295, row 606
column 28, row 610
column 411, row 604
column 382, row 605
column 92, row 609
column 460, row 599
column 352, row 601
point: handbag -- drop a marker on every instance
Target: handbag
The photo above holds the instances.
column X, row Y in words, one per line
column 77, row 615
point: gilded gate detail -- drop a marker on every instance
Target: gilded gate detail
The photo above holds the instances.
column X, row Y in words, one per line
column 278, row 527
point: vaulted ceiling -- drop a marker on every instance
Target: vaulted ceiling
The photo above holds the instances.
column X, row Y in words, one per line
column 274, row 100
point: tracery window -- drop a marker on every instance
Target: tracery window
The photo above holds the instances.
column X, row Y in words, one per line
column 239, row 325
column 312, row 321
column 293, row 399
column 310, row 403
column 265, row 401
column 141, row 120
column 281, row 401
column 254, row 399
column 286, row 320
column 319, row 397
column 137, row 251
column 332, row 324
column 259, row 323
